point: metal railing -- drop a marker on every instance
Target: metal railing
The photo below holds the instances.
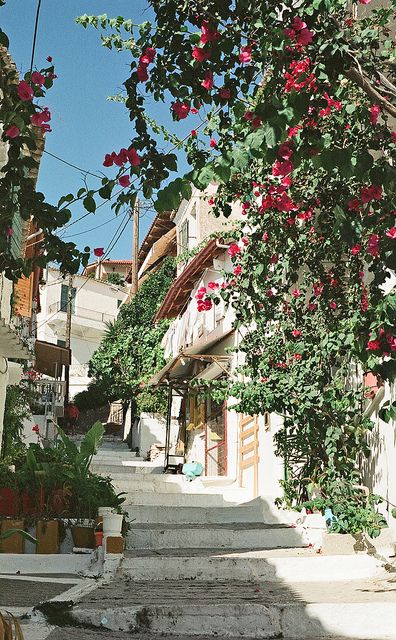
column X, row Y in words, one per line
column 82, row 312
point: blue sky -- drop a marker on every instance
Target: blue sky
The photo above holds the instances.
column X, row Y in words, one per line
column 85, row 125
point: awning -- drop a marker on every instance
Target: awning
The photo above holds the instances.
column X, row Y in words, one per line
column 50, row 358
column 178, row 368
column 181, row 288
column 11, row 346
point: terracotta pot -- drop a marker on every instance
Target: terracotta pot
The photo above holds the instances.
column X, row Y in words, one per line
column 8, row 502
column 47, row 534
column 15, row 543
column 83, row 537
column 98, row 538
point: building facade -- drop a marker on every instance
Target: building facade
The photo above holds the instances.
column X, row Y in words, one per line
column 95, row 304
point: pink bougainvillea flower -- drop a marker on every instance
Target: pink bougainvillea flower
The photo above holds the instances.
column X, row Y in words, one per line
column 208, row 34
column 356, row 249
column 245, row 207
column 297, row 356
column 354, row 204
column 393, row 136
column 293, row 131
column 245, row 54
column 108, row 160
column 213, row 285
column 333, row 305
column 200, row 293
column 25, row 91
column 9, row 232
column 207, row 82
column 233, row 249
column 133, row 157
column 312, row 306
column 211, row 202
column 269, row 293
column 296, row 293
column 225, row 94
column 364, row 1
column 142, row 73
column 40, row 119
column 49, row 58
column 256, row 122
column 285, row 151
column 375, row 110
column 12, row 132
column 296, row 333
column 200, row 55
column 305, row 37
column 370, row 193
column 373, row 245
column 38, row 78
column 237, row 270
column 245, row 240
column 373, row 345
column 124, row 181
column 148, row 56
column 36, row 428
column 248, row 115
column 274, row 258
column 193, row 133
column 265, row 236
column 194, row 110
column 282, row 168
column 391, row 233
column 98, row 252
column 213, row 143
column 180, row 109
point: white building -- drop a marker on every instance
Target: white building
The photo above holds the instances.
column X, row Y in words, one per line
column 95, row 304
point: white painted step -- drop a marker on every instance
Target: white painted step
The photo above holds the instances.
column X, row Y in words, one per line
column 231, row 536
column 271, row 565
column 356, row 609
column 156, row 499
column 256, row 511
column 125, row 467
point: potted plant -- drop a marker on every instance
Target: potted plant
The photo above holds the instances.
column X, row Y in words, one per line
column 8, row 492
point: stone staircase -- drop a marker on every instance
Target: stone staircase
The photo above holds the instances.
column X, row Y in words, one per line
column 203, row 561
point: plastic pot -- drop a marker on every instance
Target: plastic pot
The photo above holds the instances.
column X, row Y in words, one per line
column 112, row 524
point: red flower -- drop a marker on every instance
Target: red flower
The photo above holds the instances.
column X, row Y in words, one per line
column 370, row 193
column 36, row 428
column 194, row 110
column 148, row 56
column 133, row 157
column 25, row 91
column 285, row 151
column 356, row 249
column 9, row 232
column 296, row 333
column 99, row 252
column 207, row 82
column 37, row 78
column 225, row 94
column 393, row 136
column 108, row 160
column 208, row 34
column 248, row 115
column 364, row 1
column 142, row 73
column 181, row 109
column 211, row 202
column 200, row 55
column 213, row 143
column 256, row 122
column 333, row 305
column 312, row 306
column 296, row 293
column 245, row 54
column 373, row 345
column 213, row 285
column 124, row 181
column 354, row 204
column 265, row 236
column 373, row 245
column 12, row 132
column 391, row 233
column 193, row 133
column 297, row 356
column 49, row 59
column 233, row 250
column 237, row 270
column 282, row 168
column 375, row 110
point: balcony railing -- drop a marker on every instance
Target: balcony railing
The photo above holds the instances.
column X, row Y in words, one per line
column 81, row 312
column 50, row 396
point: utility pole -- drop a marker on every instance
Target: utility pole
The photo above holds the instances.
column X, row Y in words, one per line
column 68, row 334
column 135, row 248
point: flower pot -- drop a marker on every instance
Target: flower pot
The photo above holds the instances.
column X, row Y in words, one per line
column 112, row 524
column 101, row 512
column 98, row 538
column 8, row 502
column 83, row 537
column 47, row 534
column 15, row 543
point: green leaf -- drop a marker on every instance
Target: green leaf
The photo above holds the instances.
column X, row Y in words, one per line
column 4, row 41
column 20, row 532
column 89, row 204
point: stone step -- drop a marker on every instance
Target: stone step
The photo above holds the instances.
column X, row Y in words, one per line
column 173, row 500
column 124, row 468
column 263, row 511
column 272, row 565
column 225, row 536
column 358, row 609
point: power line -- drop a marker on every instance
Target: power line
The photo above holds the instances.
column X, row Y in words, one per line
column 35, row 37
column 74, row 166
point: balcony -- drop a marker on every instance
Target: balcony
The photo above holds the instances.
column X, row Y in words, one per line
column 50, row 396
column 84, row 321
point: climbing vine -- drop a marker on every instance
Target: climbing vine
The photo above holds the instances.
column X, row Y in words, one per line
column 131, row 352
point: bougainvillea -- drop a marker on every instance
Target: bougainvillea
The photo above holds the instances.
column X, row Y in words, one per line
column 300, row 99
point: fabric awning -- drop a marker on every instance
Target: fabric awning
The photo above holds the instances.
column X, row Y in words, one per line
column 50, row 358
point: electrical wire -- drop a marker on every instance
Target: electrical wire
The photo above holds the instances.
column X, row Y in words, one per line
column 74, row 166
column 35, row 36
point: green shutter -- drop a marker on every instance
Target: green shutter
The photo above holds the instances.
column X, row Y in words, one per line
column 64, row 298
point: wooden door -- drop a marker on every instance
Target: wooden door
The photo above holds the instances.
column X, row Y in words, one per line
column 249, row 452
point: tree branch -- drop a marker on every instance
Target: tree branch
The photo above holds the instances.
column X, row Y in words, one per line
column 359, row 79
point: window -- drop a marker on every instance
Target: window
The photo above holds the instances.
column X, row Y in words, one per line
column 61, row 343
column 118, row 303
column 64, row 298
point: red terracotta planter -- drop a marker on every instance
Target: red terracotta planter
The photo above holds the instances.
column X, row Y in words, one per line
column 8, row 502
